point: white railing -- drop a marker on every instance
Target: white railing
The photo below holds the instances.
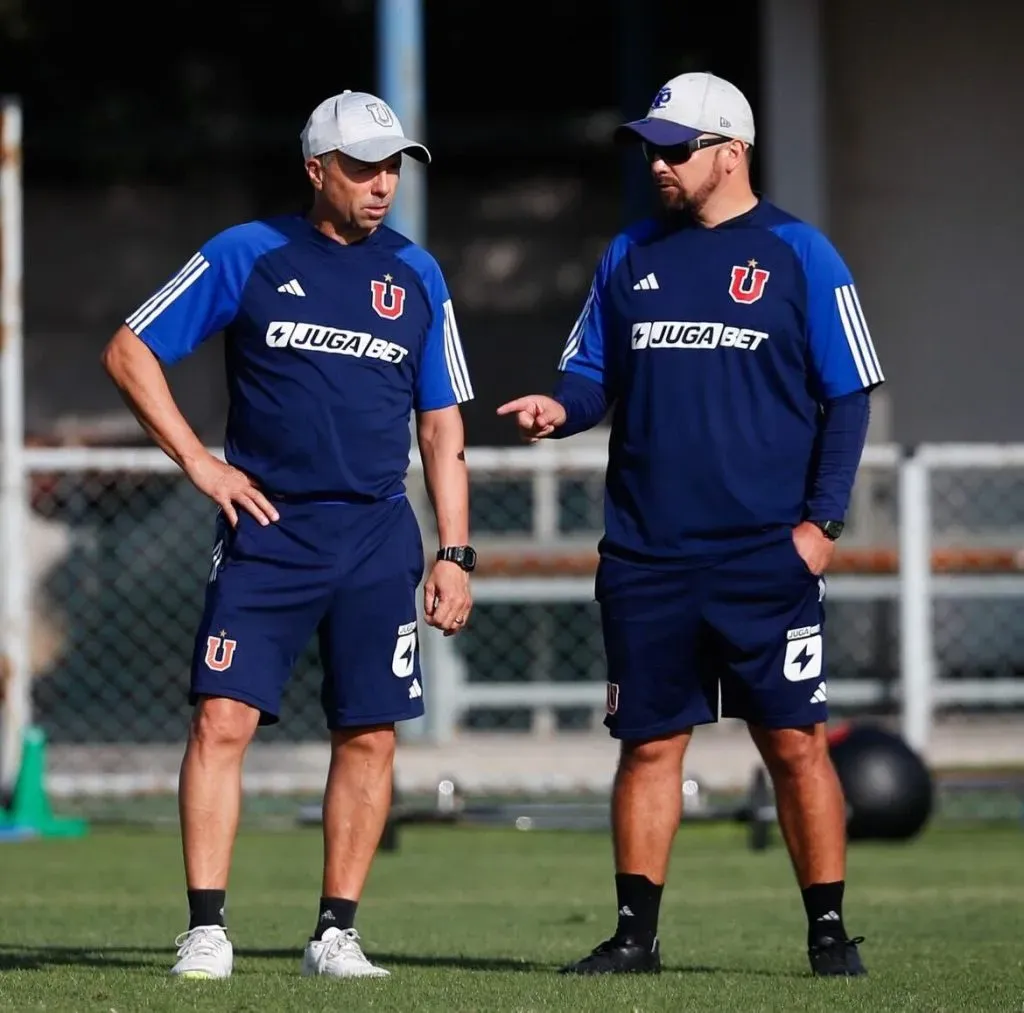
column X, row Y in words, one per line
column 922, row 686
column 14, row 689
column 913, row 582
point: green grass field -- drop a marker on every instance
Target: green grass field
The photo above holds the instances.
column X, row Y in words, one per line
column 479, row 919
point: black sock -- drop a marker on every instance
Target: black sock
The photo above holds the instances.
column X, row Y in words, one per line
column 205, row 907
column 335, row 913
column 639, row 900
column 823, row 903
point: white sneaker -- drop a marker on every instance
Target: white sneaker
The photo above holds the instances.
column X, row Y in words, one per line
column 204, row 952
column 339, row 955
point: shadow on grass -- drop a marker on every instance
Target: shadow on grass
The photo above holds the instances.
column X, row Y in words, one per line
column 757, row 972
column 40, row 958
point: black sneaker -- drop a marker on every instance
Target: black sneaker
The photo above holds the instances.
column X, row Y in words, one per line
column 831, row 958
column 619, row 955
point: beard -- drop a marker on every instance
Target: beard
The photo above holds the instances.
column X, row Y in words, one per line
column 691, row 200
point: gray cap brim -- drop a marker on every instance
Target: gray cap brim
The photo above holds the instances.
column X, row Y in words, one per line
column 379, row 149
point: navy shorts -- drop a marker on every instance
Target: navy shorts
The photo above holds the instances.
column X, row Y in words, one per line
column 346, row 572
column 745, row 633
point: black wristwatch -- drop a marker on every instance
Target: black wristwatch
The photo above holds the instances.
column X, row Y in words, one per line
column 463, row 555
column 830, row 529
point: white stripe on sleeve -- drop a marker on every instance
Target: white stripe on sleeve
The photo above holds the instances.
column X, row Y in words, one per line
column 458, row 373
column 863, row 326
column 156, row 304
column 851, row 336
column 572, row 344
column 157, row 296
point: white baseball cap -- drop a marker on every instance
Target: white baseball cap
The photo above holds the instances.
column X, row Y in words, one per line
column 359, row 125
column 690, row 105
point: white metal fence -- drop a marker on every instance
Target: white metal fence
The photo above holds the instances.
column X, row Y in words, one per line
column 109, row 551
column 14, row 664
column 104, row 553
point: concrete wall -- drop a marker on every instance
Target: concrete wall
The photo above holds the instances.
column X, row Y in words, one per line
column 925, row 152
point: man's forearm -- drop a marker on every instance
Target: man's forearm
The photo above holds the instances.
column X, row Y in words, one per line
column 442, row 450
column 843, row 432
column 137, row 374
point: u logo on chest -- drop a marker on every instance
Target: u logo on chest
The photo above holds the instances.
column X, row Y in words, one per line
column 748, row 282
column 387, row 299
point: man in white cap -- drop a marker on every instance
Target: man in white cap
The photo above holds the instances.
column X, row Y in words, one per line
column 336, row 330
column 728, row 341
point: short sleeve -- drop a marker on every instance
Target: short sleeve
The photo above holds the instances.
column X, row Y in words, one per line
column 842, row 352
column 443, row 379
column 204, row 296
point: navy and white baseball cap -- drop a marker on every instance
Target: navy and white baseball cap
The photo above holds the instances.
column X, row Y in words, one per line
column 690, row 105
column 359, row 125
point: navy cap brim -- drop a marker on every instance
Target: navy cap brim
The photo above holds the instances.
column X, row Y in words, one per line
column 664, row 133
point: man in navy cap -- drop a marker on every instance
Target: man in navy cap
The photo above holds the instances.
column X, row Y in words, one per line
column 728, row 341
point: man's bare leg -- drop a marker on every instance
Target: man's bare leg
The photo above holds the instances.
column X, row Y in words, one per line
column 357, row 800
column 812, row 817
column 647, row 801
column 809, row 800
column 209, row 800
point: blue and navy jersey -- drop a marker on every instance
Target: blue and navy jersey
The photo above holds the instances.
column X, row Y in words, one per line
column 718, row 347
column 329, row 349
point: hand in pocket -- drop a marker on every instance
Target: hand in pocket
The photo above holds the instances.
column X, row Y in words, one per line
column 813, row 547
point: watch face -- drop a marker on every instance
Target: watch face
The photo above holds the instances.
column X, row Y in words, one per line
column 463, row 555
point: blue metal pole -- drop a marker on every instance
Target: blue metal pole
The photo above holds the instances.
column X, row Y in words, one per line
column 401, row 84
column 637, row 85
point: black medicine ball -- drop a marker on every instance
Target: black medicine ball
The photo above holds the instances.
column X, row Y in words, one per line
column 888, row 788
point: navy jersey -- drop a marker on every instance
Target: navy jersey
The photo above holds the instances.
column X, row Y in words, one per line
column 718, row 347
column 329, row 348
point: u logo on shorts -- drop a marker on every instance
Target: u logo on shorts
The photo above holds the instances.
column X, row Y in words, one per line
column 220, row 652
column 612, row 698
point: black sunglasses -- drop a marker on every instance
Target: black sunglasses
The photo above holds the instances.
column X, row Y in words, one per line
column 676, row 154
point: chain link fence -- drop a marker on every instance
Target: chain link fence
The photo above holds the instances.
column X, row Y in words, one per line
column 120, row 558
column 978, row 529
column 120, row 561
column 116, row 604
column 547, row 641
